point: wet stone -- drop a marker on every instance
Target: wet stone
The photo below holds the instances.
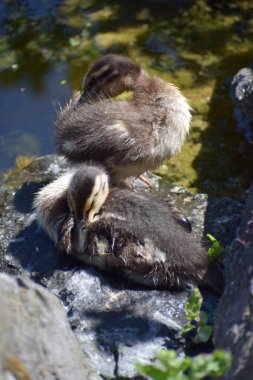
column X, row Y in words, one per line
column 116, row 322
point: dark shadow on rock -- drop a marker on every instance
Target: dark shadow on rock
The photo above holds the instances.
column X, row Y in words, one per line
column 209, row 304
column 24, row 197
column 224, row 163
column 115, row 328
column 222, row 219
column 223, row 166
column 34, row 252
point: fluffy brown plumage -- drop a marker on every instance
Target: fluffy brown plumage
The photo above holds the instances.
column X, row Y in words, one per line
column 133, row 234
column 127, row 137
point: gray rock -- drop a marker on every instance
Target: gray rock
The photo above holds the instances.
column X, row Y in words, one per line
column 117, row 323
column 242, row 94
column 234, row 317
column 36, row 339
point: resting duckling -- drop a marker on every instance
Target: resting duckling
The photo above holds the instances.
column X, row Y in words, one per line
column 119, row 230
column 127, row 137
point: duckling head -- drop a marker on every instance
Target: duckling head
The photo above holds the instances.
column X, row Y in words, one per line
column 109, row 76
column 87, row 193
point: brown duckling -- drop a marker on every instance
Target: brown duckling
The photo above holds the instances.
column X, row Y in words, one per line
column 116, row 229
column 127, row 137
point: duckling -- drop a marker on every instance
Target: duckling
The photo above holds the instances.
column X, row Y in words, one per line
column 130, row 233
column 126, row 137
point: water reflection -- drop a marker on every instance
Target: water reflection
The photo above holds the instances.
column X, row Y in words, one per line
column 46, row 46
column 27, row 113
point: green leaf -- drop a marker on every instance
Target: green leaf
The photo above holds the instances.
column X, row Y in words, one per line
column 187, row 327
column 214, row 365
column 193, row 305
column 223, row 361
column 200, row 318
column 172, row 367
column 203, row 317
column 216, row 250
column 166, row 356
column 204, row 333
column 152, row 371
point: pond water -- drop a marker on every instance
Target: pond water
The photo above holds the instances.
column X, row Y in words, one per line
column 47, row 45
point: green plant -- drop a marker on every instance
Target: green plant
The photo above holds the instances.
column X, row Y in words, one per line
column 196, row 319
column 216, row 250
column 172, row 367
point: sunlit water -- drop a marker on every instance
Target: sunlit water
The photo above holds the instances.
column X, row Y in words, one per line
column 46, row 46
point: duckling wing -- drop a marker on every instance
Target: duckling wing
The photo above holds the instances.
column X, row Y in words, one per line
column 139, row 237
column 109, row 132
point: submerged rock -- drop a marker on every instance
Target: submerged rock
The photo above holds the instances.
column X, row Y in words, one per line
column 36, row 340
column 234, row 317
column 117, row 323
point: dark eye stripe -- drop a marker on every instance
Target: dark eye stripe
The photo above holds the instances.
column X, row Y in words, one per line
column 102, row 79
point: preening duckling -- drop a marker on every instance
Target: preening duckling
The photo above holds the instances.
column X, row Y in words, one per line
column 127, row 137
column 117, row 229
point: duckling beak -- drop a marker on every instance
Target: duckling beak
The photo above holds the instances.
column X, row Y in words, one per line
column 78, row 238
column 87, row 96
column 84, row 98
column 81, row 224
